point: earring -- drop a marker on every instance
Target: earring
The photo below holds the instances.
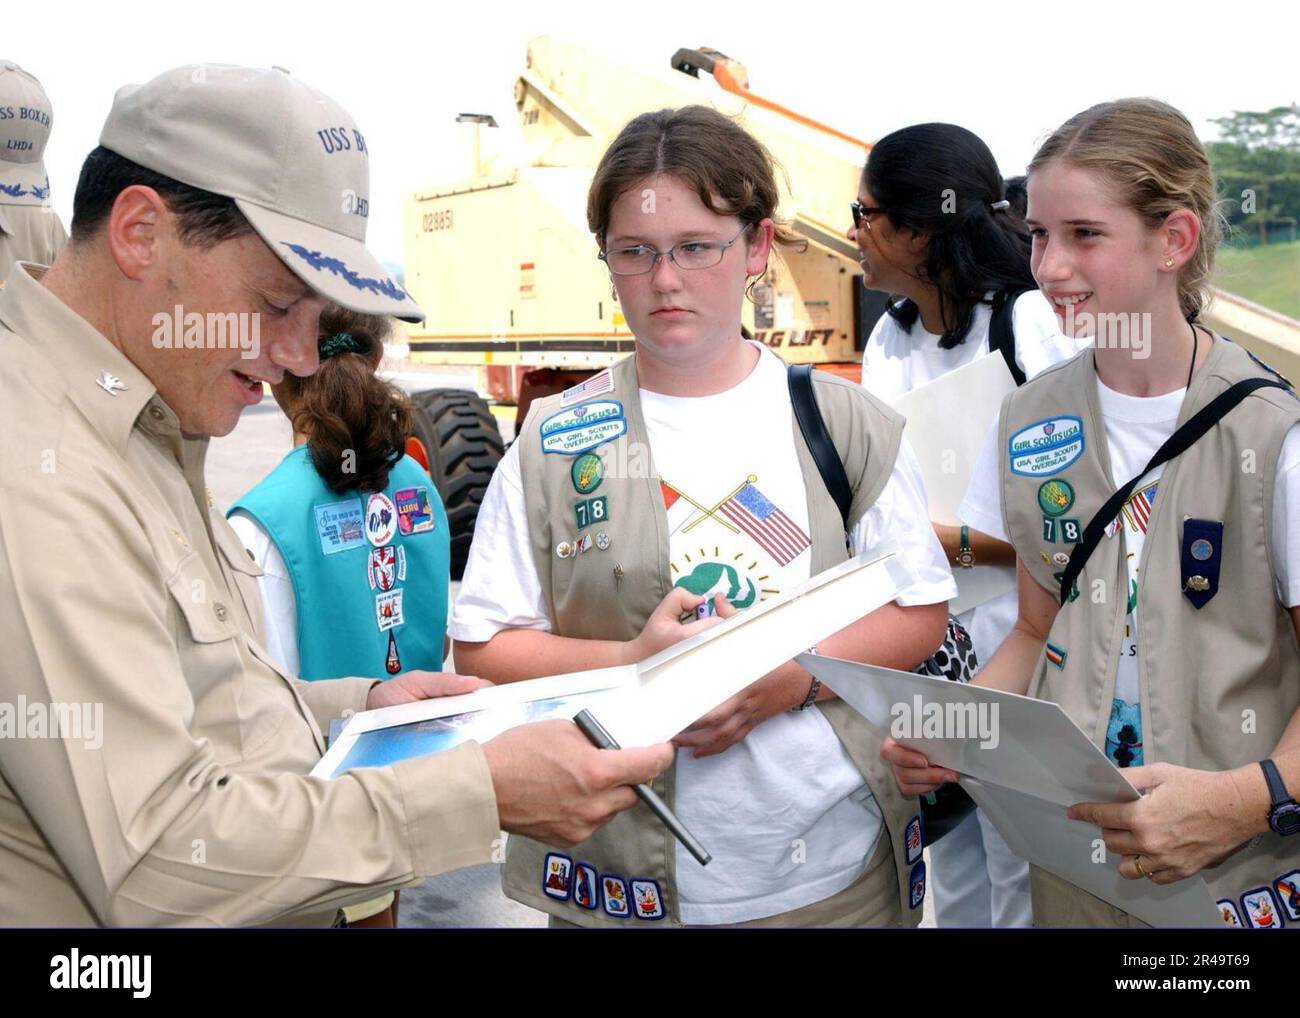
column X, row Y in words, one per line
column 1169, row 263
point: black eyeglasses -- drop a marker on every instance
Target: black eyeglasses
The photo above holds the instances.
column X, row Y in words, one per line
column 860, row 212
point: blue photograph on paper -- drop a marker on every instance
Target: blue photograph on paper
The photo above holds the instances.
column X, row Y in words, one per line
column 385, row 746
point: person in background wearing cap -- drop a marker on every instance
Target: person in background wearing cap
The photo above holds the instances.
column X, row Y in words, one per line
column 349, row 607
column 175, row 790
column 30, row 229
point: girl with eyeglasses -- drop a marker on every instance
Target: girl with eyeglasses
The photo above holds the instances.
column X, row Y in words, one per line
column 676, row 476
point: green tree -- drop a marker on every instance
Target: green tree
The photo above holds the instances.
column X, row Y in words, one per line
column 1257, row 162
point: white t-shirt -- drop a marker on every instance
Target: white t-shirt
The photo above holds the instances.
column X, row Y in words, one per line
column 1136, row 426
column 785, row 813
column 279, row 608
column 896, row 361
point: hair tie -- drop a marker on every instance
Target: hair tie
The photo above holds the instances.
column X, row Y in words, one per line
column 999, row 206
column 340, row 342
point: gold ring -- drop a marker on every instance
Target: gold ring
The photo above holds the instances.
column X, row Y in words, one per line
column 1137, row 861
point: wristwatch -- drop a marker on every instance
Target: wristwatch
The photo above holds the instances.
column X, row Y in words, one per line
column 1284, row 817
column 965, row 557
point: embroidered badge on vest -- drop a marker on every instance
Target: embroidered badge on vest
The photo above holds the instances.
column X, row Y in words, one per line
column 1055, row 496
column 916, row 886
column 591, row 510
column 414, row 514
column 557, row 873
column 339, row 526
column 585, row 894
column 1064, row 531
column 1202, row 555
column 649, row 902
column 388, row 610
column 914, row 839
column 1074, row 587
column 1055, row 655
column 596, row 385
column 1261, row 909
column 1287, row 889
column 1228, row 910
column 381, row 519
column 570, row 432
column 614, row 896
column 1046, row 447
column 385, row 567
column 587, row 472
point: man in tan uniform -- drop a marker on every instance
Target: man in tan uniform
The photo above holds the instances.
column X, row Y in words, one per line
column 154, row 758
column 30, row 229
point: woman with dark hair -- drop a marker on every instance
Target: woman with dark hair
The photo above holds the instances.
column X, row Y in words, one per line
column 936, row 231
column 349, row 531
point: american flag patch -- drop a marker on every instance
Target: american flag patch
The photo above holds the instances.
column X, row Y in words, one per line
column 599, row 383
column 1138, row 509
column 775, row 532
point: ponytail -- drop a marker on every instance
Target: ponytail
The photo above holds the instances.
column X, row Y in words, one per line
column 356, row 423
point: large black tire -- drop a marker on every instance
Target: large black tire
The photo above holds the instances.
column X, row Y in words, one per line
column 464, row 447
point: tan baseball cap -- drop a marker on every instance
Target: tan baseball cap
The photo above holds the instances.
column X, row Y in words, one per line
column 290, row 156
column 25, row 120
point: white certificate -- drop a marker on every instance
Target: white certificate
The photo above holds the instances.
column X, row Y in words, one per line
column 1023, row 761
column 947, row 420
column 641, row 704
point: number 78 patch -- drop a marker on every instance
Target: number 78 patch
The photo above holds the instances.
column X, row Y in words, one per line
column 1062, row 531
column 591, row 511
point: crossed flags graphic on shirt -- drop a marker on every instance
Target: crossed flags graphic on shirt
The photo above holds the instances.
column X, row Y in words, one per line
column 745, row 509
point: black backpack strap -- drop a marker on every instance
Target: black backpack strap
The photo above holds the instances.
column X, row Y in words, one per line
column 1002, row 337
column 819, row 442
column 1176, row 444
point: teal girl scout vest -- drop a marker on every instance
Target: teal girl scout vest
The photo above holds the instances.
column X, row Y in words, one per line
column 369, row 569
column 1218, row 662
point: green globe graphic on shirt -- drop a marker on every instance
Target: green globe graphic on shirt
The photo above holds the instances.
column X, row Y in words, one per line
column 709, row 578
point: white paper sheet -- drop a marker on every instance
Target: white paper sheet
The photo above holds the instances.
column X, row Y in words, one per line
column 947, row 445
column 376, row 737
column 1024, row 761
column 637, row 704
column 685, row 682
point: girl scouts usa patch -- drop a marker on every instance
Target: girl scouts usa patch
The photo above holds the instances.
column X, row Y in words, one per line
column 1046, row 447
column 583, row 427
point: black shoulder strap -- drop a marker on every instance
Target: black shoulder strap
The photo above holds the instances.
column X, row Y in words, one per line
column 818, row 438
column 1176, row 444
column 1002, row 337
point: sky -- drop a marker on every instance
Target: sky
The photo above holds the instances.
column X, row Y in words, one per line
column 1010, row 72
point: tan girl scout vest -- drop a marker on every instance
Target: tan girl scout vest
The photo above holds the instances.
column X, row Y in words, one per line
column 1218, row 683
column 623, row 876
